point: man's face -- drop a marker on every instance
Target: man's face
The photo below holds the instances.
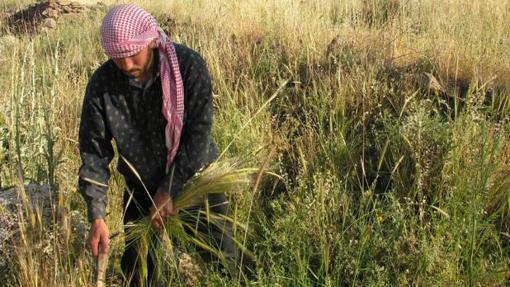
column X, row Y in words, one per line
column 136, row 65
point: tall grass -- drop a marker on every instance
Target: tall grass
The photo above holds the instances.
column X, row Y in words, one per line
column 189, row 227
column 390, row 135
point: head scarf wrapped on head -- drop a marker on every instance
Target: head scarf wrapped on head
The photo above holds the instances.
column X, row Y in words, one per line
column 128, row 29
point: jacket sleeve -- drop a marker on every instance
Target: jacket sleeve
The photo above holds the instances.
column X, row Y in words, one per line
column 195, row 148
column 96, row 153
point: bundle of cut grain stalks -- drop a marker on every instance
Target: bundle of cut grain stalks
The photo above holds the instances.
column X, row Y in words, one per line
column 183, row 229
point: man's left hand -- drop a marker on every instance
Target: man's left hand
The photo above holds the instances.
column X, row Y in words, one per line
column 162, row 209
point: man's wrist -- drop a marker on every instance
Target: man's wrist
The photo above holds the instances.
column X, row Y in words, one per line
column 96, row 210
column 99, row 220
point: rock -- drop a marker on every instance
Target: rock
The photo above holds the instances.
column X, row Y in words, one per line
column 52, row 4
column 50, row 23
column 51, row 13
column 43, row 199
column 31, row 19
column 75, row 4
column 39, row 197
column 8, row 223
column 67, row 9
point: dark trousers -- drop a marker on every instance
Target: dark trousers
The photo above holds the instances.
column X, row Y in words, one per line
column 221, row 238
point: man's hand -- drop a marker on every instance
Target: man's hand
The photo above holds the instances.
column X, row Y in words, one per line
column 163, row 209
column 98, row 240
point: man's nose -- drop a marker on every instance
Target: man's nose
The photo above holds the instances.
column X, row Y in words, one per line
column 126, row 63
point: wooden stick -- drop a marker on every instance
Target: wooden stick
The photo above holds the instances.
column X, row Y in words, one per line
column 102, row 264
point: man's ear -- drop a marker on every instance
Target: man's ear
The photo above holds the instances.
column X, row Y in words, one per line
column 152, row 44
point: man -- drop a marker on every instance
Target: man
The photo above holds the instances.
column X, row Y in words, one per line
column 154, row 98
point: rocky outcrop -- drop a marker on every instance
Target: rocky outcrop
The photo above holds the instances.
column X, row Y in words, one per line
column 45, row 15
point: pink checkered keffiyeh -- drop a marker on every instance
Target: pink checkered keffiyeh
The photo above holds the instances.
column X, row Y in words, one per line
column 128, row 29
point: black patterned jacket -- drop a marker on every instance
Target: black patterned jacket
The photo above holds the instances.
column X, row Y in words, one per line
column 117, row 107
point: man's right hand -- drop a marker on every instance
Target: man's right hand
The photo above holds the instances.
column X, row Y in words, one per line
column 98, row 240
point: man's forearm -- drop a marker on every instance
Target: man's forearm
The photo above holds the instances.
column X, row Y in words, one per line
column 95, row 198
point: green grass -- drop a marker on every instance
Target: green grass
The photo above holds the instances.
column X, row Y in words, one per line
column 187, row 227
column 385, row 179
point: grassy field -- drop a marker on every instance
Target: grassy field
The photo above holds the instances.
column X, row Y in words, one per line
column 390, row 130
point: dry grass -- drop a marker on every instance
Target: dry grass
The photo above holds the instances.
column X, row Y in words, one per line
column 385, row 178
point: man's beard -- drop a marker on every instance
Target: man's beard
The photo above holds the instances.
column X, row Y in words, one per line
column 134, row 73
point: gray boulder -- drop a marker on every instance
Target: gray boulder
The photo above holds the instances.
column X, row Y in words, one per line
column 11, row 203
column 38, row 198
